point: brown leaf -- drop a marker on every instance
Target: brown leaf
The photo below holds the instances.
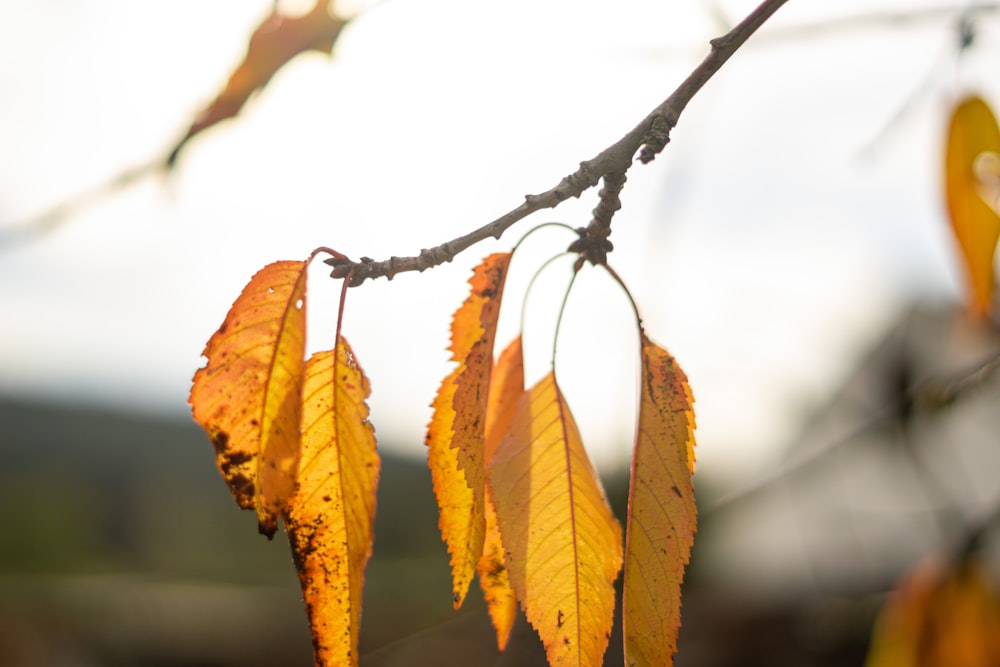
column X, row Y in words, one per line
column 662, row 517
column 248, row 395
column 457, row 433
column 563, row 545
column 331, row 516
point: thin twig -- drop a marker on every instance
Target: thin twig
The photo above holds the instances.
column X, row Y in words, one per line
column 929, row 397
column 593, row 244
column 877, row 20
column 936, row 395
column 647, row 138
column 14, row 235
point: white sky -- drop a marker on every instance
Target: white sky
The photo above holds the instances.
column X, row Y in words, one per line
column 763, row 249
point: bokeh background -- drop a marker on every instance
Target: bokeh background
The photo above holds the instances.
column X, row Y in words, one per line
column 789, row 247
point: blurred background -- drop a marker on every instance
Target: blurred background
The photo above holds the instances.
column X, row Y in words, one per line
column 790, row 247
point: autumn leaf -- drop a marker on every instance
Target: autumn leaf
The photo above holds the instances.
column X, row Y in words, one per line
column 273, row 44
column 506, row 388
column 247, row 397
column 662, row 517
column 456, row 436
column 973, row 141
column 940, row 615
column 331, row 515
column 563, row 545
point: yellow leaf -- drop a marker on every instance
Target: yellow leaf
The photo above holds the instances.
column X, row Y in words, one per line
column 506, row 387
column 247, row 397
column 973, row 137
column 939, row 616
column 457, row 433
column 563, row 545
column 662, row 517
column 330, row 518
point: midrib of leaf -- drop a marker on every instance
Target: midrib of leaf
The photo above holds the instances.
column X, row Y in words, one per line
column 306, row 428
column 346, row 492
column 572, row 507
column 338, row 441
column 265, row 422
column 337, row 429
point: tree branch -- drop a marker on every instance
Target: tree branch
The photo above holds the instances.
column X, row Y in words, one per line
column 648, row 138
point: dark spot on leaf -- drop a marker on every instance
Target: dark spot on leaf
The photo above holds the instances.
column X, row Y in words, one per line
column 316, row 645
column 267, row 529
column 496, row 569
column 220, row 441
column 560, row 619
column 237, row 459
column 241, row 486
column 677, row 491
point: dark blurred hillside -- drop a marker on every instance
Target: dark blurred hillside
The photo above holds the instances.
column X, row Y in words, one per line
column 123, row 546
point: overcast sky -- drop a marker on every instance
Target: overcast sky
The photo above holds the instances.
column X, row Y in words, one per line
column 793, row 216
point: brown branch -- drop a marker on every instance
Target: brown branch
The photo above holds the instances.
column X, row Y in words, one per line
column 593, row 244
column 648, row 138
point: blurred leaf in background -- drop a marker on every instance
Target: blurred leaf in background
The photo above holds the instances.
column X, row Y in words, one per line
column 940, row 615
column 973, row 137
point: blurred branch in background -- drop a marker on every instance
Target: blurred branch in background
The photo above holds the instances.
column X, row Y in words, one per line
column 902, row 459
column 275, row 42
column 965, row 16
column 926, row 397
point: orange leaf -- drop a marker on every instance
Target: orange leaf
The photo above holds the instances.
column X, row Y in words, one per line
column 506, row 387
column 457, row 433
column 939, row 616
column 563, row 545
column 275, row 42
column 972, row 136
column 247, row 397
column 330, row 518
column 662, row 517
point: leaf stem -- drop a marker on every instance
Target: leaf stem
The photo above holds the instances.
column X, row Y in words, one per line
column 562, row 310
column 621, row 283
column 531, row 284
column 534, row 229
column 328, row 251
column 340, row 308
